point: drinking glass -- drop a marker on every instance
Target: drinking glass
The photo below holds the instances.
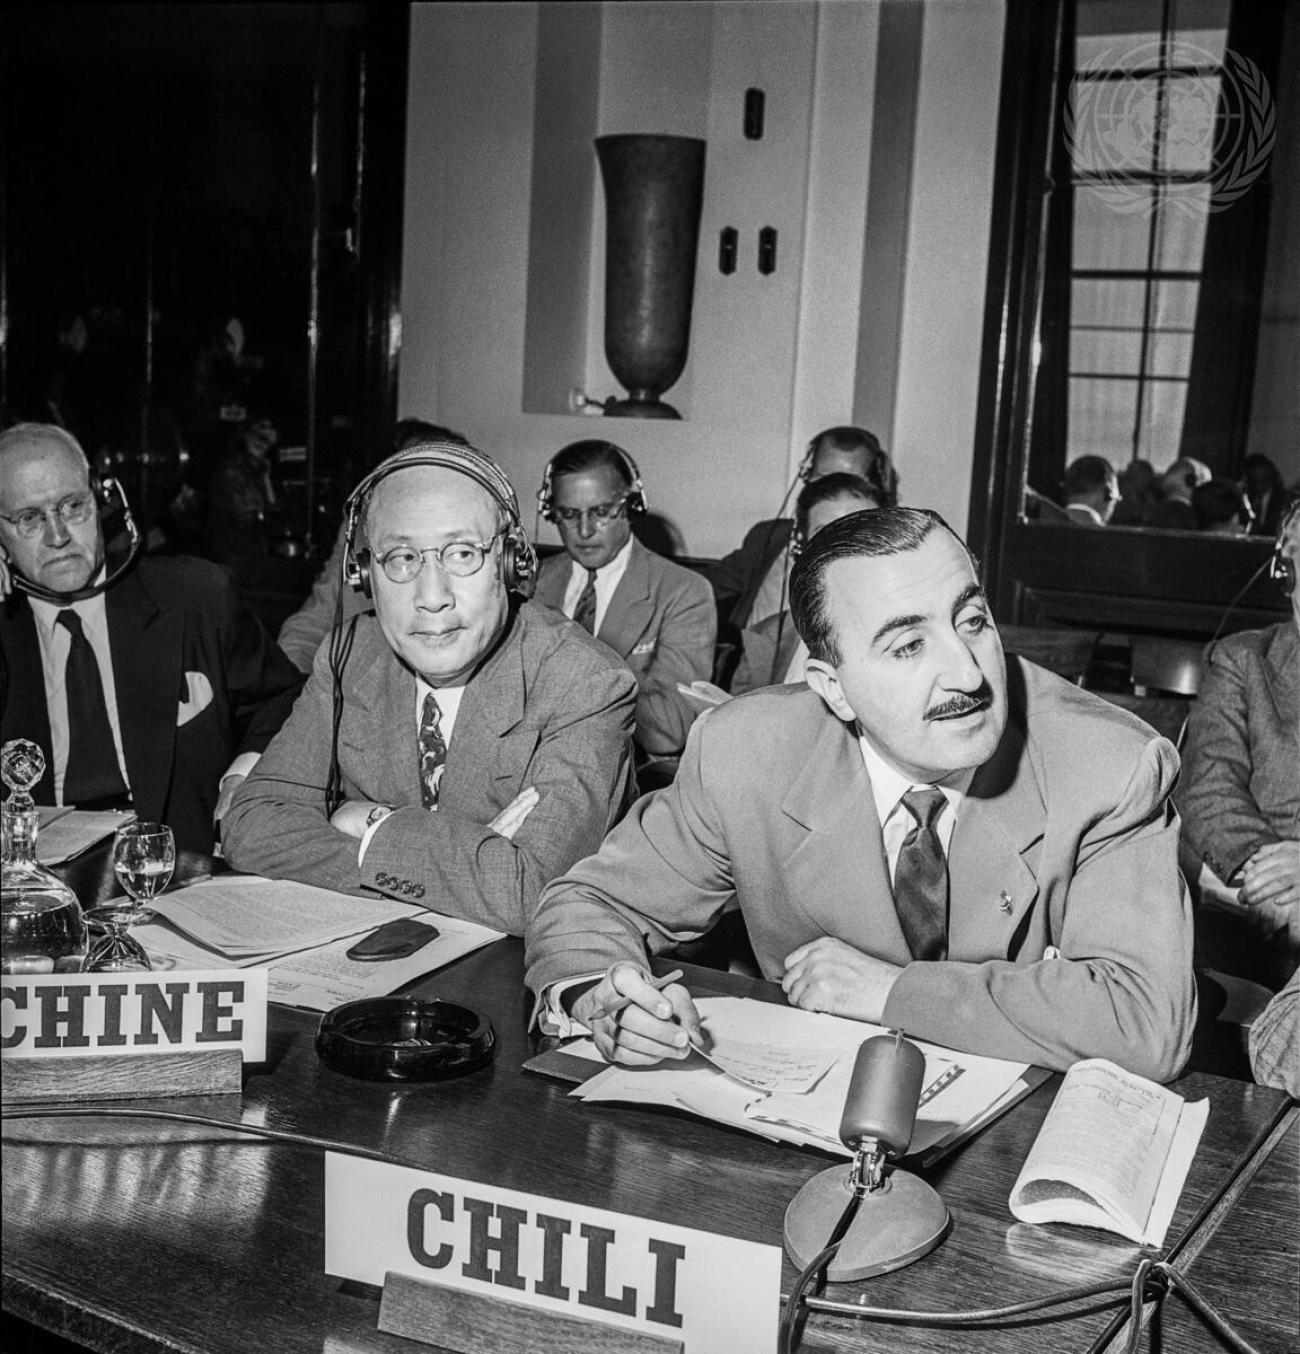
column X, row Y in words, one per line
column 144, row 855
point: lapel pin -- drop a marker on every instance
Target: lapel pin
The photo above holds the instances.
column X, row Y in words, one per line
column 1005, row 904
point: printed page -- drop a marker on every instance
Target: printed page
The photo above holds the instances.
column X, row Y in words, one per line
column 66, row 832
column 1101, row 1153
column 244, row 916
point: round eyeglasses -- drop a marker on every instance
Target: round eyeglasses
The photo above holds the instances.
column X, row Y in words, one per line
column 72, row 511
column 460, row 559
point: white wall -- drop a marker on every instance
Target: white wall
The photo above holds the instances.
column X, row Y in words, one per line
column 947, row 255
column 772, row 360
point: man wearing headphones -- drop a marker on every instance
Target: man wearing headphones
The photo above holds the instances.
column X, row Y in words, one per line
column 657, row 616
column 751, row 583
column 458, row 747
column 140, row 685
column 1239, row 793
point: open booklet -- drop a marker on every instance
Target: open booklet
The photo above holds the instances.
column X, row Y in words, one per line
column 784, row 1073
column 300, row 934
column 1113, row 1152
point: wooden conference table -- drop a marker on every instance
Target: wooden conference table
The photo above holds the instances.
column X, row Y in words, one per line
column 141, row 1236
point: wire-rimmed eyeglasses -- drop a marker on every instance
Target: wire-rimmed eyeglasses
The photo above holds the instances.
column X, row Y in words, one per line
column 460, row 559
column 71, row 511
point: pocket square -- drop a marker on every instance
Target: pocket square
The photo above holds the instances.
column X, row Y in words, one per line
column 196, row 697
column 647, row 647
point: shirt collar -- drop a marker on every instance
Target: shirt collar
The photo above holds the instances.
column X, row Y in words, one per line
column 46, row 614
column 889, row 785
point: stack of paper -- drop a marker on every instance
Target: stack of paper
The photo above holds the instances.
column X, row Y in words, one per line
column 784, row 1073
column 300, row 934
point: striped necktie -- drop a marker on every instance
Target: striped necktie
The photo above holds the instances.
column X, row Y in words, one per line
column 585, row 612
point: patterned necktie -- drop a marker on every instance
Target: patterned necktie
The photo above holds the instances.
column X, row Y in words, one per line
column 921, row 878
column 92, row 773
column 433, row 752
column 585, row 612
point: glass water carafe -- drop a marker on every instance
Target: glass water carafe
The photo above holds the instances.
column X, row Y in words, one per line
column 41, row 926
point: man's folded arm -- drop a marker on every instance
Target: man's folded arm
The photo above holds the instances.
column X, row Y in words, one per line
column 1122, row 987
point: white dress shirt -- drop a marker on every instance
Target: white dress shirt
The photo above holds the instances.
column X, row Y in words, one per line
column 889, row 785
column 55, row 644
column 608, row 577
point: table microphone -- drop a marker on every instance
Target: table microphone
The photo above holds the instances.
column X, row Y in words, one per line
column 899, row 1217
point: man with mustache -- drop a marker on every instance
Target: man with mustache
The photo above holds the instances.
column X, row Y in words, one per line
column 929, row 838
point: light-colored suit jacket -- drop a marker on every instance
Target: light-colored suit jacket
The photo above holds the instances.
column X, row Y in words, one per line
column 549, row 708
column 1240, row 786
column 1070, row 934
column 662, row 622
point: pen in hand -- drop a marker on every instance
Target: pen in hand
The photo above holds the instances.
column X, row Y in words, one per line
column 614, row 1007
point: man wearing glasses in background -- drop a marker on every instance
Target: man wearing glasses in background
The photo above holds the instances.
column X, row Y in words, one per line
column 148, row 686
column 657, row 616
column 457, row 747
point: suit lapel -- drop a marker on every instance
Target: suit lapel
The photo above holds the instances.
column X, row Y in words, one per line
column 493, row 704
column 148, row 664
column 991, row 883
column 24, row 712
column 631, row 606
column 383, row 699
column 837, row 874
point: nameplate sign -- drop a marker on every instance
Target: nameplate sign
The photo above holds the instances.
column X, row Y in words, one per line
column 91, row 1015
column 711, row 1293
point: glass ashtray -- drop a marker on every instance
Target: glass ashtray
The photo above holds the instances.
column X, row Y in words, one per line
column 404, row 1039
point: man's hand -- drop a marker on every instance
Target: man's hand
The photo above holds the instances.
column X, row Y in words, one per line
column 1271, row 877
column 655, row 1026
column 828, row 975
column 228, row 788
column 511, row 818
column 353, row 816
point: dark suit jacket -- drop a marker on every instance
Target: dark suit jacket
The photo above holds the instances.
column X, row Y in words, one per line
column 1240, row 786
column 550, row 708
column 736, row 579
column 1065, row 839
column 661, row 623
column 170, row 620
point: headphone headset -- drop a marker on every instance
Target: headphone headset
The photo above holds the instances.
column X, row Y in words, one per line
column 636, row 502
column 1281, row 566
column 518, row 560
column 104, row 491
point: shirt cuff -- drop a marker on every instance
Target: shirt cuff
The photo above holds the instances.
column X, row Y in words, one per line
column 552, row 1018
column 370, row 832
column 241, row 766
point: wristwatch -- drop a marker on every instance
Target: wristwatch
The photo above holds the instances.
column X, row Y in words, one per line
column 377, row 815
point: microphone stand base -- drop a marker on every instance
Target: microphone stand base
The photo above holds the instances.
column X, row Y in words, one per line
column 899, row 1222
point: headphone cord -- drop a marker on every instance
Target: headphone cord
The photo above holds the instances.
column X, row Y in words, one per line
column 341, row 641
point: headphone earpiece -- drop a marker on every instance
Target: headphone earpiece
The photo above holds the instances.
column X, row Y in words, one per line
column 1281, row 566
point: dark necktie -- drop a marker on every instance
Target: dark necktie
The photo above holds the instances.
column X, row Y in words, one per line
column 433, row 752
column 92, row 773
column 585, row 612
column 921, row 878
